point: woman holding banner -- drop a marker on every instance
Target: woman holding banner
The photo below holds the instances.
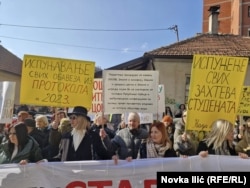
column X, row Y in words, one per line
column 219, row 141
column 158, row 144
column 19, row 146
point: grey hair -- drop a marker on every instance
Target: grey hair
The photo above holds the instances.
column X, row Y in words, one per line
column 134, row 115
column 43, row 118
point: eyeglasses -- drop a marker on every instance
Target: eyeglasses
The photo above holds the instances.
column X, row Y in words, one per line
column 10, row 133
column 72, row 117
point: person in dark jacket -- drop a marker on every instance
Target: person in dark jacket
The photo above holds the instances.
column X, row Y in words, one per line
column 100, row 122
column 19, row 146
column 179, row 112
column 81, row 143
column 219, row 141
column 127, row 141
column 34, row 132
column 51, row 138
column 158, row 145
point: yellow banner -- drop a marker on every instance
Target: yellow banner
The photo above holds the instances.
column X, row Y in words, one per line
column 215, row 88
column 48, row 81
column 244, row 107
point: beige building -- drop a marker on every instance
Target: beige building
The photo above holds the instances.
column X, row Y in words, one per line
column 174, row 61
column 10, row 70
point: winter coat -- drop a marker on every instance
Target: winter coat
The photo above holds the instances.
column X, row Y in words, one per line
column 38, row 136
column 127, row 144
column 179, row 129
column 97, row 128
column 30, row 152
column 92, row 147
column 51, row 141
column 183, row 147
column 242, row 146
column 203, row 147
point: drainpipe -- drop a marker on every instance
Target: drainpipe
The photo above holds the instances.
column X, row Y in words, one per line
column 240, row 24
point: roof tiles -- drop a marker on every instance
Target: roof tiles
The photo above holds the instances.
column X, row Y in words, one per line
column 207, row 44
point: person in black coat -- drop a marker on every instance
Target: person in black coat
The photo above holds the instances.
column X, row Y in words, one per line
column 100, row 122
column 219, row 141
column 34, row 132
column 81, row 143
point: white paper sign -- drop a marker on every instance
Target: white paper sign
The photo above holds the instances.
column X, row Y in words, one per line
column 7, row 91
column 130, row 91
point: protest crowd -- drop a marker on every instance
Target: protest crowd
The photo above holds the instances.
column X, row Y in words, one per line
column 59, row 135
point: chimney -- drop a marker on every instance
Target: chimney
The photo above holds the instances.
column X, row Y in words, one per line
column 213, row 19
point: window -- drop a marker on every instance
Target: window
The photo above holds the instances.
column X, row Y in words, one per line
column 248, row 11
column 248, row 32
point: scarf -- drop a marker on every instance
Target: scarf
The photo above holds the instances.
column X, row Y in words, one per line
column 223, row 150
column 156, row 150
column 77, row 137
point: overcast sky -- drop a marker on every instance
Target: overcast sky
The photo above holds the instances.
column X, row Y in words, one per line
column 108, row 32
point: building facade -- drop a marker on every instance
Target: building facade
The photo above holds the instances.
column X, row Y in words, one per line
column 233, row 18
column 11, row 70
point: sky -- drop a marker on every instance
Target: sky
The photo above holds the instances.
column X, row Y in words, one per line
column 107, row 32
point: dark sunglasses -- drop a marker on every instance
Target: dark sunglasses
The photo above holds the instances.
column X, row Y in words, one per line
column 73, row 117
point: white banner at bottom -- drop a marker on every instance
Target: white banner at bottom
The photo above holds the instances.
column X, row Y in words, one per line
column 103, row 174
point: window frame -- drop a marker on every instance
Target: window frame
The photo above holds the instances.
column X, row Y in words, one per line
column 187, row 87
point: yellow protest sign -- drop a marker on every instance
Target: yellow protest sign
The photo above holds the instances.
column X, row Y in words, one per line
column 48, row 81
column 215, row 88
column 244, row 107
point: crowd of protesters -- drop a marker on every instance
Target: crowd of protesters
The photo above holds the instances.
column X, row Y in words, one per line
column 63, row 136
